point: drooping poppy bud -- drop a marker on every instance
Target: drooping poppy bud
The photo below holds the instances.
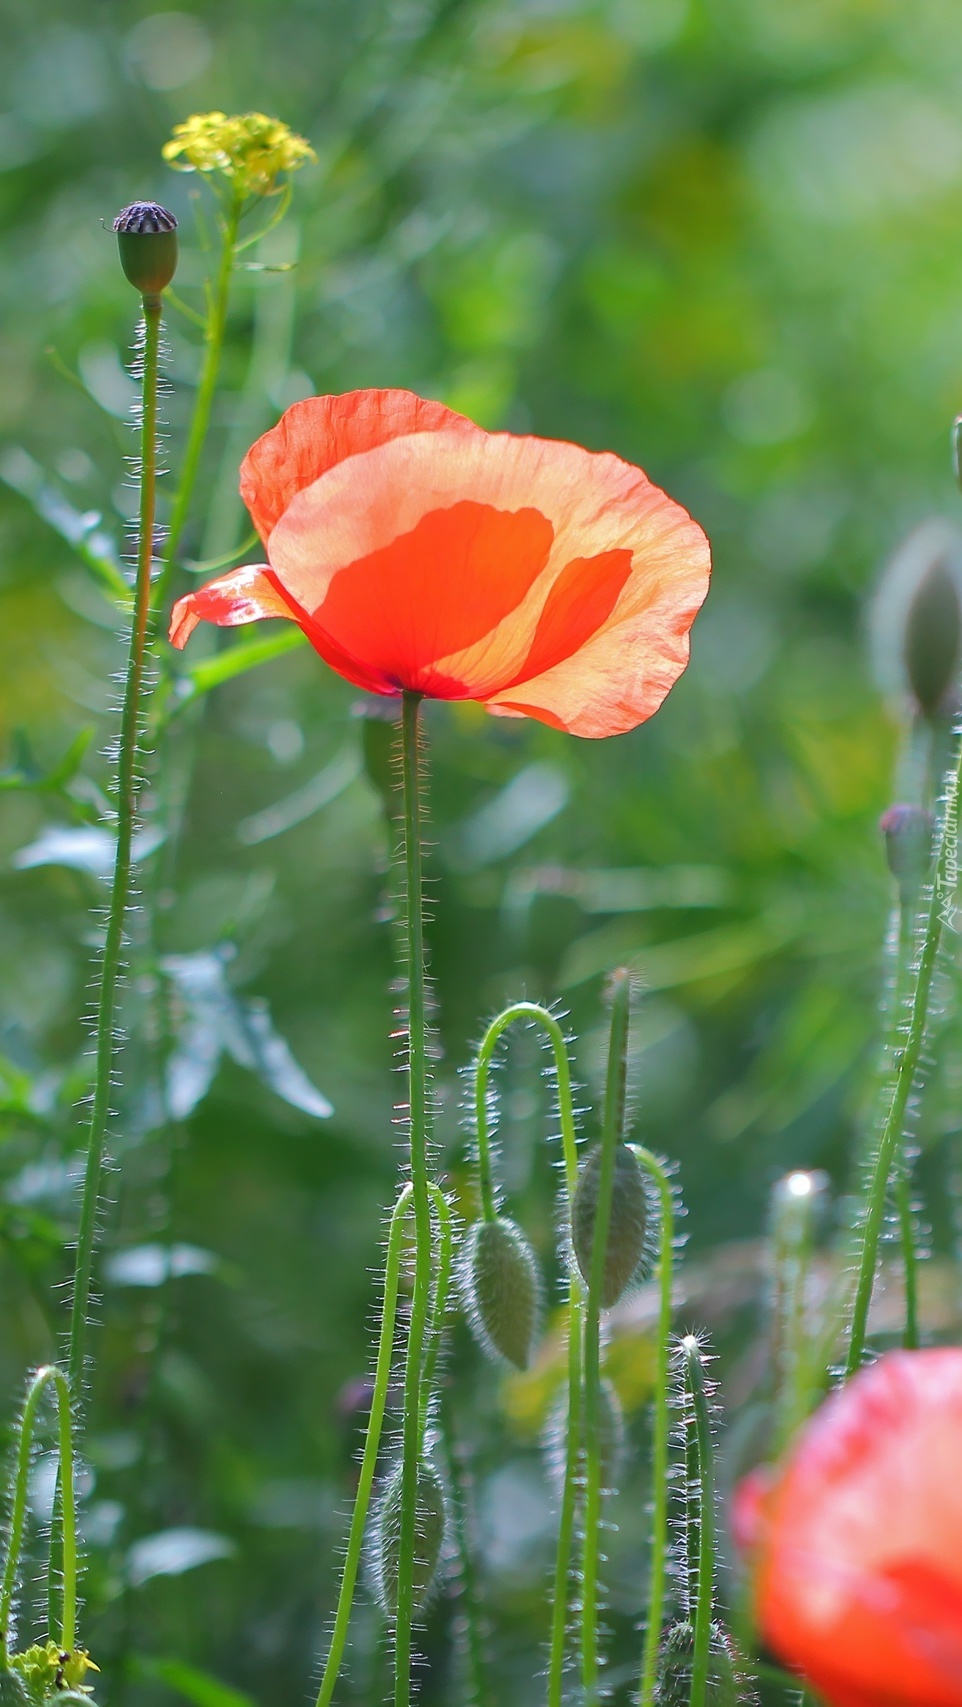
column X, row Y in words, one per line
column 147, row 240
column 725, row 1687
column 611, row 1440
column 500, row 1290
column 429, row 1528
column 627, row 1227
column 933, row 634
column 908, row 844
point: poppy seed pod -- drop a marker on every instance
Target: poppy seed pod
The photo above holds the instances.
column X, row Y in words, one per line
column 627, row 1227
column 724, row 1687
column 429, row 1526
column 908, row 843
column 147, row 240
column 933, row 632
column 500, row 1290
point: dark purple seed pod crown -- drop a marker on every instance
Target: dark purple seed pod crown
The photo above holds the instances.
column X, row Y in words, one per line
column 145, row 217
column 147, row 238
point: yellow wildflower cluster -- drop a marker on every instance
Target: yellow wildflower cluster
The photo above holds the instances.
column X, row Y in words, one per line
column 45, row 1671
column 249, row 148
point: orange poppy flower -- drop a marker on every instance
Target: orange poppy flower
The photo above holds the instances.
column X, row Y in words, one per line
column 857, row 1540
column 418, row 552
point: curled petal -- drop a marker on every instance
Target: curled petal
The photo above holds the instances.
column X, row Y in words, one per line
column 242, row 595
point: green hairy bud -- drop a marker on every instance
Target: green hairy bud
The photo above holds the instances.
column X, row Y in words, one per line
column 500, row 1290
column 147, row 240
column 429, row 1529
column 933, row 630
column 611, row 1439
column 725, row 1687
column 13, row 1691
column 627, row 1229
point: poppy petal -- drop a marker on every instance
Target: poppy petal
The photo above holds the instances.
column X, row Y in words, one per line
column 242, row 595
column 860, row 1577
column 599, row 558
column 314, row 435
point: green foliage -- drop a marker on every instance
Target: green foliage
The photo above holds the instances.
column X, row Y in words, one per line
column 718, row 238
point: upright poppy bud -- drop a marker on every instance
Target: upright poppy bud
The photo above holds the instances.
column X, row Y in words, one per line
column 908, row 845
column 147, row 240
column 725, row 1685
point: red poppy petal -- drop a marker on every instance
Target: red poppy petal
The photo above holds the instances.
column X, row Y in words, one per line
column 435, row 591
column 314, row 435
column 242, row 595
column 597, row 507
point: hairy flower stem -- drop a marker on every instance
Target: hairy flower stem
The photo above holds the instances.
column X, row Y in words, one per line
column 128, row 782
column 611, row 1135
column 46, row 1377
column 372, row 1442
column 661, row 1429
column 418, row 1162
column 532, row 1011
column 214, row 329
column 906, row 1066
column 699, row 1433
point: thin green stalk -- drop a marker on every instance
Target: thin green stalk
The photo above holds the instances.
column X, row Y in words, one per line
column 439, row 1302
column 940, row 905
column 418, row 1140
column 128, row 783
column 661, row 1427
column 372, row 1442
column 611, row 1135
column 694, row 1377
column 46, row 1377
column 214, row 328
column 569, row 1144
column 478, row 1693
column 903, row 1190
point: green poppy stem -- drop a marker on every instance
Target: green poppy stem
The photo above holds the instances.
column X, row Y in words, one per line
column 215, row 326
column 372, row 1442
column 699, row 1429
column 661, row 1428
column 906, row 1067
column 611, row 1135
column 127, row 788
column 43, row 1379
column 418, row 1161
column 561, row 1592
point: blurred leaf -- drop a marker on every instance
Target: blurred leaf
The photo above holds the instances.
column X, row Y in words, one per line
column 171, row 1552
column 26, row 774
column 304, row 802
column 81, row 529
column 152, row 1265
column 530, row 801
column 209, row 673
column 196, row 1686
column 87, row 848
column 209, row 1021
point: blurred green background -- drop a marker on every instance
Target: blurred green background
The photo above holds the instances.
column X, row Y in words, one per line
column 720, row 237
